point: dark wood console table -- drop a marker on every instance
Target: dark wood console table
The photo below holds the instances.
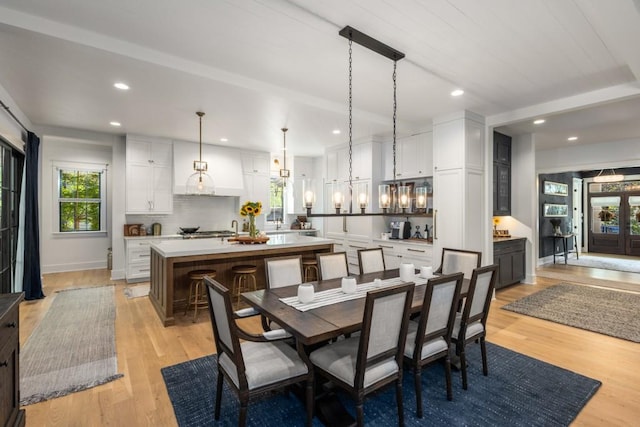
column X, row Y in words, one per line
column 566, row 238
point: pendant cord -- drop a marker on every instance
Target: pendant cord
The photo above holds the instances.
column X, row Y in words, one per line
column 350, row 126
column 395, row 108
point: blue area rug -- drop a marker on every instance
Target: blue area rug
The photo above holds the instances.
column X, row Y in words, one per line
column 519, row 391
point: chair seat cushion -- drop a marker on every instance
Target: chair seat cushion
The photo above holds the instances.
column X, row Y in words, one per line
column 339, row 359
column 474, row 329
column 429, row 348
column 265, row 363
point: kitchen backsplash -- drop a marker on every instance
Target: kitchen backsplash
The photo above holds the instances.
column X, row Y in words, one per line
column 208, row 213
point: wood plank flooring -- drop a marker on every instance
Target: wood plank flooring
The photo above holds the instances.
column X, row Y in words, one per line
column 144, row 346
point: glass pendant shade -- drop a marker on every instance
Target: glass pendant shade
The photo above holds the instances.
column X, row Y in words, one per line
column 404, row 197
column 308, row 195
column 200, row 183
column 363, row 195
column 421, row 197
column 337, row 196
column 384, row 196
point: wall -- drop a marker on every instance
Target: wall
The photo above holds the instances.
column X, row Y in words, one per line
column 63, row 252
column 589, row 157
column 545, row 228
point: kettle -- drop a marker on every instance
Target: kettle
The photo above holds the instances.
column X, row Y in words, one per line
column 156, row 228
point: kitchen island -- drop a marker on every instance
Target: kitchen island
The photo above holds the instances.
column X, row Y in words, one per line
column 172, row 260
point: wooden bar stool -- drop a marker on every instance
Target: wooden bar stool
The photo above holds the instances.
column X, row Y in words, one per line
column 244, row 279
column 197, row 291
column 310, row 268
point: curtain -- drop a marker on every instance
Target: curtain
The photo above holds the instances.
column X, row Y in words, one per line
column 32, row 283
column 18, row 273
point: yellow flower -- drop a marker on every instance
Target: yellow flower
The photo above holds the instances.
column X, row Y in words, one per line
column 496, row 220
column 251, row 208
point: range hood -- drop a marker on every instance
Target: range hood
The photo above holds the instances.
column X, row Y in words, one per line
column 224, row 166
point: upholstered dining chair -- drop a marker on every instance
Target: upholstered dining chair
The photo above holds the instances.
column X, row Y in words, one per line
column 257, row 365
column 429, row 337
column 361, row 365
column 471, row 324
column 281, row 271
column 455, row 260
column 370, row 260
column 332, row 265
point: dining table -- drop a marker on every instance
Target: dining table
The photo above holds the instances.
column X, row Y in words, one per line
column 329, row 321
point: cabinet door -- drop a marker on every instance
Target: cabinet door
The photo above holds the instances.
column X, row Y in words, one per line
column 137, row 191
column 362, row 160
column 502, row 189
column 138, row 151
column 162, row 188
column 161, row 153
column 409, row 160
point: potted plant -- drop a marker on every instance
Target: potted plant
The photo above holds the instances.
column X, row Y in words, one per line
column 605, row 214
column 555, row 222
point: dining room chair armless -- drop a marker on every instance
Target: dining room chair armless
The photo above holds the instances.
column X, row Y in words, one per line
column 332, row 265
column 471, row 324
column 361, row 365
column 280, row 272
column 456, row 260
column 429, row 336
column 370, row 260
column 257, row 365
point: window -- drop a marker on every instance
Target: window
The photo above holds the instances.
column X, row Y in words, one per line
column 81, row 200
column 276, row 200
column 11, row 165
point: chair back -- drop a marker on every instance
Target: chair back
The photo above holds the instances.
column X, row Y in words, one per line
column 439, row 308
column 384, row 327
column 332, row 265
column 283, row 271
column 370, row 260
column 481, row 287
column 456, row 260
column 224, row 327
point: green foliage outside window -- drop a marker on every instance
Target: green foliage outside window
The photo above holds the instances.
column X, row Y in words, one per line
column 80, row 200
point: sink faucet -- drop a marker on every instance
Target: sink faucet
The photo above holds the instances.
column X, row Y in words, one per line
column 278, row 223
column 235, row 223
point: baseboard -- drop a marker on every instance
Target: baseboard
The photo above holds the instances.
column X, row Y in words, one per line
column 117, row 274
column 63, row 268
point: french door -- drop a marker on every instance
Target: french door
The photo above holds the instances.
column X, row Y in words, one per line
column 614, row 218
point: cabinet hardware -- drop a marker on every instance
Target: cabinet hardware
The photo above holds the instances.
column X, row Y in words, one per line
column 3, row 364
column 344, row 224
column 415, row 250
column 357, row 247
column 435, row 225
column 387, row 247
column 144, row 269
column 12, row 325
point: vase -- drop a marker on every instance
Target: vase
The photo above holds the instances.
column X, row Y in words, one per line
column 253, row 231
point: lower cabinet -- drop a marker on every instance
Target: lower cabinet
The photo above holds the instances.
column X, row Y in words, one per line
column 396, row 253
column 10, row 412
column 510, row 256
column 138, row 258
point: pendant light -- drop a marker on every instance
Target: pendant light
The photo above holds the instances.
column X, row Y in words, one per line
column 200, row 182
column 612, row 177
column 284, row 172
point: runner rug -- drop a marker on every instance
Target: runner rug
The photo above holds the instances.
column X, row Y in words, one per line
column 605, row 311
column 519, row 391
column 73, row 348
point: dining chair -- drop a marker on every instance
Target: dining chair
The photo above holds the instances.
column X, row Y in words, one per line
column 455, row 260
column 361, row 365
column 280, row 272
column 332, row 265
column 429, row 337
column 471, row 324
column 370, row 260
column 257, row 365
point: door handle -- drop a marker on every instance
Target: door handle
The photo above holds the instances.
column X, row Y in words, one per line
column 435, row 224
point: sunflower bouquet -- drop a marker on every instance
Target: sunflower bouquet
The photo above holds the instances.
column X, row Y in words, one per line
column 251, row 209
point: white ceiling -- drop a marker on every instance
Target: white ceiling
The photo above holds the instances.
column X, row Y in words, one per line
column 254, row 66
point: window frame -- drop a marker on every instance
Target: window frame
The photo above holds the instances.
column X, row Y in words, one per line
column 79, row 167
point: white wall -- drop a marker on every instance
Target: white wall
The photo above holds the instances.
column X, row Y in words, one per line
column 10, row 130
column 589, row 157
column 63, row 252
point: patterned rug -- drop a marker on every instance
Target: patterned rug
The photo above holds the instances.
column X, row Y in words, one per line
column 619, row 264
column 605, row 311
column 519, row 391
column 72, row 348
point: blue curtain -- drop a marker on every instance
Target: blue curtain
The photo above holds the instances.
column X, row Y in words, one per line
column 32, row 284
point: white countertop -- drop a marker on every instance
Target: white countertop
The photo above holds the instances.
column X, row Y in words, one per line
column 188, row 247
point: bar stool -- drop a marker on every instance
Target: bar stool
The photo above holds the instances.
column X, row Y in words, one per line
column 310, row 268
column 197, row 291
column 244, row 279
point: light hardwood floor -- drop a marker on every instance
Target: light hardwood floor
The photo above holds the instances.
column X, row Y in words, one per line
column 144, row 346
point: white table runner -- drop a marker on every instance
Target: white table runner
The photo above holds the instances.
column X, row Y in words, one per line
column 334, row 296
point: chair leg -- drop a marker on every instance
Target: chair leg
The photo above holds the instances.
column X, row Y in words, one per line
column 483, row 348
column 360, row 411
column 399, row 401
column 417, row 377
column 447, row 376
column 219, row 394
column 189, row 298
column 310, row 403
column 463, row 368
column 196, row 300
column 242, row 420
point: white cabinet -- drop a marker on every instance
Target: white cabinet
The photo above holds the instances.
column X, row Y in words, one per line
column 256, row 163
column 224, row 167
column 395, row 253
column 414, row 157
column 148, row 176
column 138, row 257
column 364, row 160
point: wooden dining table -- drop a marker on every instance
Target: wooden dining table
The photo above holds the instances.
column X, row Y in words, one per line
column 330, row 321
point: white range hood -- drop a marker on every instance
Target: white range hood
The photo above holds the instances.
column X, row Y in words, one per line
column 224, row 166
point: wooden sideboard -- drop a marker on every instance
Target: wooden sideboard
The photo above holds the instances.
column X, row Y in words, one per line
column 10, row 412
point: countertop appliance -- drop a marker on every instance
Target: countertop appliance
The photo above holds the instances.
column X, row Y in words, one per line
column 208, row 234
column 400, row 229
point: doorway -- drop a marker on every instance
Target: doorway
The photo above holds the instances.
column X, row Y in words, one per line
column 614, row 218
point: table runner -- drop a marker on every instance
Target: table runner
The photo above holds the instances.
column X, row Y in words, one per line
column 334, row 296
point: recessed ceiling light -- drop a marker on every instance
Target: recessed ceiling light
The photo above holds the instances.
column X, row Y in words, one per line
column 539, row 121
column 457, row 92
column 116, row 124
column 121, row 86
column 572, row 138
column 336, row 131
column 223, row 140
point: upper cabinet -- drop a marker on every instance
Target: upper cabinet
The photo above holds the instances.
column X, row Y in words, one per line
column 256, row 163
column 224, row 166
column 362, row 162
column 148, row 175
column 414, row 157
column 501, row 174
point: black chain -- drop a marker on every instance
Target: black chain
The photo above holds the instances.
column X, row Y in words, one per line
column 350, row 127
column 395, row 108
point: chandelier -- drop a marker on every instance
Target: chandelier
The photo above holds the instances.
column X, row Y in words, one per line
column 200, row 182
